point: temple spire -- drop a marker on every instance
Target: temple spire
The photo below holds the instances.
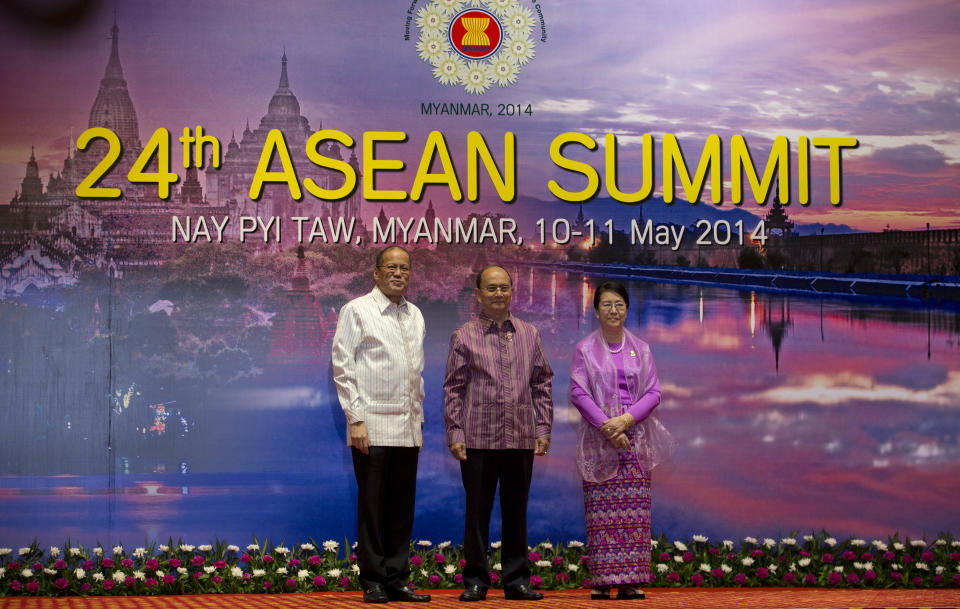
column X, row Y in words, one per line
column 114, row 71
column 284, row 82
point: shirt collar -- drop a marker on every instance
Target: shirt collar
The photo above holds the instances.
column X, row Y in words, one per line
column 486, row 321
column 383, row 301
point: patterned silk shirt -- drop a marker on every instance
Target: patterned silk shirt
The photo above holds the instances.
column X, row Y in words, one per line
column 497, row 388
column 377, row 365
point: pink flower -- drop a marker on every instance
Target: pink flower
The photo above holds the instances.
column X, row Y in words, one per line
column 216, row 579
column 810, row 578
column 714, row 551
column 59, row 565
column 956, row 579
column 834, row 578
column 916, row 581
column 827, row 558
column 247, row 576
column 267, row 558
column 673, row 576
column 33, row 587
column 15, row 585
column 739, row 579
column 244, row 558
column 174, row 563
column 153, row 564
column 688, row 556
column 716, row 572
column 557, row 561
column 562, row 577
column 804, row 553
column 150, row 582
column 462, row 563
column 789, row 577
column 130, row 581
column 37, row 566
column 197, row 575
column 126, row 563
column 434, row 580
column 415, row 560
column 221, row 564
column 61, row 583
column 198, row 560
column 534, row 580
column 954, row 555
column 534, row 556
column 927, row 556
column 896, row 576
column 108, row 584
column 439, row 558
column 291, row 583
column 584, row 559
column 938, row 579
column 314, row 560
column 869, row 575
column 344, row 582
column 353, row 558
column 866, row 556
column 13, row 566
column 730, row 556
column 756, row 553
column 294, row 562
column 494, row 577
column 85, row 587
column 696, row 579
column 889, row 555
column 586, row 584
column 853, row 578
column 458, row 578
column 319, row 582
column 664, row 556
column 169, row 579
column 108, row 562
column 907, row 559
column 762, row 573
column 848, row 555
column 267, row 585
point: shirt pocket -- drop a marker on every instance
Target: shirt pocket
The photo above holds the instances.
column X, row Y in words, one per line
column 526, row 428
column 482, row 425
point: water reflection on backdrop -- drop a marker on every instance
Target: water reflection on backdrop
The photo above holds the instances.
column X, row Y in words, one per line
column 793, row 413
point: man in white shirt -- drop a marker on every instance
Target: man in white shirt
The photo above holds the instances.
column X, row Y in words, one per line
column 377, row 366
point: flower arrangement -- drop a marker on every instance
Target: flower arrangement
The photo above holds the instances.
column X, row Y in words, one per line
column 815, row 560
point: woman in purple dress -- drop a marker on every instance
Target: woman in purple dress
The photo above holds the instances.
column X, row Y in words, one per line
column 613, row 383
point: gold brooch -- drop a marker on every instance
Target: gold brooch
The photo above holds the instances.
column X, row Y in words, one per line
column 633, row 353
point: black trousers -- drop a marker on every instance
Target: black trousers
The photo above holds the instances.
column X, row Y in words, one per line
column 386, row 490
column 481, row 472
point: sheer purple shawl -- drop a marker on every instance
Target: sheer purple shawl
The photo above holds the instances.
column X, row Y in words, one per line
column 595, row 371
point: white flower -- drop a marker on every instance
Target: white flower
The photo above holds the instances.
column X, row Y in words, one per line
column 653, row 543
column 573, row 568
column 449, row 569
column 543, row 563
column 208, row 569
column 159, row 574
column 49, row 571
column 772, row 568
column 3, row 571
column 898, row 546
column 119, row 576
column 868, row 565
column 476, row 79
column 519, row 50
column 205, row 548
column 98, row 577
column 303, row 574
column 680, row 546
column 450, row 6
column 923, row 566
column 236, row 572
column 233, row 548
column 838, row 569
column 500, row 7
column 252, row 547
column 808, row 537
column 895, row 566
column 334, row 573
column 140, row 575
column 309, row 547
column 79, row 573
column 701, row 538
column 26, row 573
column 139, row 552
column 750, row 540
column 355, row 568
column 918, row 543
column 579, row 544
column 955, row 543
column 354, row 546
column 803, row 562
column 940, row 542
column 423, row 572
column 939, row 570
column 496, row 545
column 163, row 548
column 98, row 551
column 726, row 568
column 546, row 545
column 282, row 570
column 858, row 565
column 793, row 566
column 879, row 545
column 74, row 551
column 747, row 561
column 705, row 567
column 662, row 568
column 830, row 541
column 54, row 551
column 331, row 545
column 186, row 548
column 432, row 47
column 443, row 545
column 259, row 572
column 5, row 551
column 498, row 567
column 281, row 550
column 430, row 18
column 678, row 559
column 118, row 549
column 519, row 22
column 727, row 544
column 857, row 543
column 788, row 541
column 23, row 551
column 182, row 570
column 769, row 543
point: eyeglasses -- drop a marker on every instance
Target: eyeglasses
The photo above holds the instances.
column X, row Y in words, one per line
column 493, row 289
column 393, row 268
column 619, row 306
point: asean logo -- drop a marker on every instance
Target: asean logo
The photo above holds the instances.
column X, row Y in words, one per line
column 478, row 45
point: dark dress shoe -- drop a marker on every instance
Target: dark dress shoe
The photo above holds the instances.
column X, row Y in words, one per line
column 474, row 593
column 630, row 594
column 521, row 593
column 375, row 593
column 406, row 595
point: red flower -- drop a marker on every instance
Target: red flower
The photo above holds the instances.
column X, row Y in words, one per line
column 810, row 578
column 740, row 579
column 789, row 577
column 108, row 584
column 267, row 558
column 198, row 560
column 494, row 577
column 174, row 563
column 834, row 578
column 61, row 583
column 344, row 582
column 664, row 556
column 439, row 558
column 866, row 556
column 150, row 582
column 557, row 561
column 130, row 581
column 291, row 583
column 534, row 580
column 688, row 556
column 220, row 564
column 458, row 578
column 462, row 563
column 244, row 558
column 696, row 579
column 126, row 563
column 415, row 560
column 717, row 572
column 216, row 579
column 153, row 564
column 534, row 556
column 927, row 556
column 562, row 577
column 756, row 553
column 59, row 565
column 907, row 559
column 314, row 560
column 916, row 581
column 169, row 579
column 267, row 585
column 848, row 555
column 319, row 582
column 827, row 558
column 85, row 587
column 896, row 576
column 954, row 555
column 33, row 587
column 853, row 578
column 869, row 575
column 673, row 576
column 889, row 555
column 15, row 585
column 714, row 551
column 762, row 573
column 108, row 562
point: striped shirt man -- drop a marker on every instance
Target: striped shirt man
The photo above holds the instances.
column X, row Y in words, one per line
column 497, row 389
column 377, row 365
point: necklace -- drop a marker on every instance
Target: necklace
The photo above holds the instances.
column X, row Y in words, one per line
column 618, row 349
